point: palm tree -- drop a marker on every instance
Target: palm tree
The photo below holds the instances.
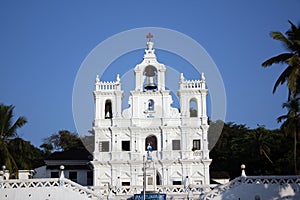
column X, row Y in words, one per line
column 8, row 131
column 291, row 124
column 291, row 75
column 259, row 139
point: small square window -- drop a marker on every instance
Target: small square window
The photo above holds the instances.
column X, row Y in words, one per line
column 73, row 176
column 89, row 178
column 125, row 183
column 104, row 146
column 54, row 174
column 196, row 145
column 176, row 182
column 150, row 180
column 175, row 144
column 125, row 145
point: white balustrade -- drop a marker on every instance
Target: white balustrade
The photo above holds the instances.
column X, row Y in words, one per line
column 50, row 184
column 207, row 192
column 192, row 84
column 106, row 86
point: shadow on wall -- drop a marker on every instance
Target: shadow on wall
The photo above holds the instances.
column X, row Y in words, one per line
column 261, row 188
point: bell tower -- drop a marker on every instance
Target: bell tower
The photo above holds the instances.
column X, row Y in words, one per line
column 108, row 100
column 150, row 99
column 150, row 75
column 192, row 95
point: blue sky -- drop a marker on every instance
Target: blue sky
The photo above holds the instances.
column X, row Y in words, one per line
column 43, row 44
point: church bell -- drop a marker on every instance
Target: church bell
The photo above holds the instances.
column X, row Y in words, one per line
column 150, row 84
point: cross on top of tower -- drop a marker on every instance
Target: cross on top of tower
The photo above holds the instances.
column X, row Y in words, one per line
column 149, row 36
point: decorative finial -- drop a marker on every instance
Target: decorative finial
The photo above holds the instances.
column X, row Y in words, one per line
column 243, row 170
column 62, row 175
column 97, row 79
column 202, row 77
column 181, row 77
column 149, row 36
column 118, row 78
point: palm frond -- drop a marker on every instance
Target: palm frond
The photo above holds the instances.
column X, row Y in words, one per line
column 19, row 123
column 280, row 37
column 283, row 77
column 281, row 58
column 294, row 31
column 281, row 118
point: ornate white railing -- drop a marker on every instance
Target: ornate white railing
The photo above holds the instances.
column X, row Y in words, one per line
column 49, row 183
column 29, row 183
column 106, row 86
column 170, row 190
column 256, row 180
column 221, row 188
column 192, row 84
column 80, row 189
column 197, row 153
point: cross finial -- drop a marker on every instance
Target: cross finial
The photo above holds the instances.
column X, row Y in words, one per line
column 149, row 36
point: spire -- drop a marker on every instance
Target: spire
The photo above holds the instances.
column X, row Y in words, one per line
column 149, row 36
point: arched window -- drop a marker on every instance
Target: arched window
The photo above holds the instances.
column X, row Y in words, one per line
column 108, row 110
column 150, row 105
column 158, row 178
column 152, row 140
column 193, row 108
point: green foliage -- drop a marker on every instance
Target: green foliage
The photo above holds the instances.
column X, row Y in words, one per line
column 62, row 141
column 291, row 124
column 8, row 131
column 25, row 154
column 263, row 151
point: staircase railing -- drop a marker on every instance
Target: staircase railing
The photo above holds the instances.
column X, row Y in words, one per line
column 221, row 189
column 49, row 183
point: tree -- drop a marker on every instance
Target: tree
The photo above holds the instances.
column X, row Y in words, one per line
column 263, row 151
column 30, row 157
column 291, row 124
column 291, row 75
column 62, row 141
column 8, row 131
column 260, row 143
column 228, row 153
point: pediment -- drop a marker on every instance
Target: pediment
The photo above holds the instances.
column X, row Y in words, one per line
column 176, row 174
column 197, row 174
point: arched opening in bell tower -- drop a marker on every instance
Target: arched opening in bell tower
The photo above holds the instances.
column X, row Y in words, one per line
column 193, row 108
column 152, row 140
column 108, row 109
column 150, row 81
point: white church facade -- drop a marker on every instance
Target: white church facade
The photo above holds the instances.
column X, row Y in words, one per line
column 178, row 137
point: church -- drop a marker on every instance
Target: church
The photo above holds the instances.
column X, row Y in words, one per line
column 150, row 142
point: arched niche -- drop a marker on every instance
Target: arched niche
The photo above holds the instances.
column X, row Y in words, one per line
column 152, row 140
column 193, row 107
